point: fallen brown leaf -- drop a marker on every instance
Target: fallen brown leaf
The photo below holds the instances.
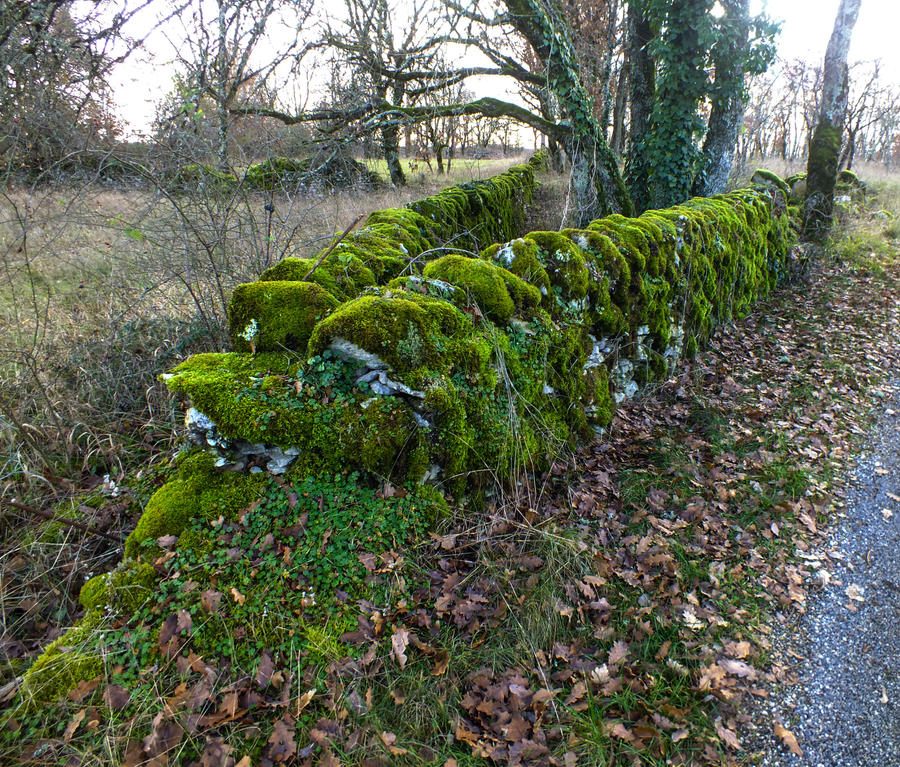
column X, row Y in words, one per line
column 281, row 745
column 788, row 738
column 116, row 697
column 399, row 643
column 73, row 725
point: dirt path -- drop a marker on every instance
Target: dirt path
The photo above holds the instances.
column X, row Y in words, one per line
column 844, row 707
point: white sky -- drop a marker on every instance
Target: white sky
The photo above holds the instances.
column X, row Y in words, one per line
column 806, row 27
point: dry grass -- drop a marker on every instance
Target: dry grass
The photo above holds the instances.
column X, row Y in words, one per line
column 867, row 171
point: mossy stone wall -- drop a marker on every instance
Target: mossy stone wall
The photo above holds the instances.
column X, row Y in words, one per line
column 455, row 367
column 446, row 372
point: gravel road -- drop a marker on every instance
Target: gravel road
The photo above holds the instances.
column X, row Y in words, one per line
column 845, row 708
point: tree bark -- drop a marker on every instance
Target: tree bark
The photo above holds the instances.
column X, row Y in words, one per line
column 825, row 145
column 617, row 142
column 606, row 77
column 390, row 140
column 727, row 113
column 221, row 94
column 390, row 149
column 642, row 86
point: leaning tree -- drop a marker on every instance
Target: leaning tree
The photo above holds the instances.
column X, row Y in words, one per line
column 597, row 185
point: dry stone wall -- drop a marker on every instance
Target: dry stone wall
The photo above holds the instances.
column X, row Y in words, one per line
column 420, row 356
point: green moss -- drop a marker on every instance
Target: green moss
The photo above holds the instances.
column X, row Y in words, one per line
column 270, row 316
column 540, row 160
column 198, row 491
column 521, row 258
column 478, row 213
column 287, row 173
column 413, row 283
column 344, row 278
column 407, row 331
column 565, row 264
column 123, row 590
column 95, row 592
column 496, row 291
column 444, row 406
column 274, row 173
column 566, row 358
column 598, row 401
column 386, row 441
column 849, row 178
column 204, row 177
column 651, row 368
column 63, row 664
column 767, row 178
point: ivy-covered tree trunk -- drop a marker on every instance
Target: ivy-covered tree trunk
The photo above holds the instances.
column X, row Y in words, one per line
column 825, row 145
column 596, row 182
column 642, row 87
column 729, row 98
column 682, row 85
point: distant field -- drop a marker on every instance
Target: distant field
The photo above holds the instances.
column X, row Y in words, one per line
column 867, row 171
column 461, row 170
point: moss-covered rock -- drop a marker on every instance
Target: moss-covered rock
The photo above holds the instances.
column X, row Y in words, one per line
column 495, row 291
column 63, row 664
column 344, row 277
column 767, row 178
column 198, row 176
column 123, row 590
column 849, row 178
column 198, row 491
column 565, row 264
column 520, row 257
column 330, row 170
column 797, row 184
column 404, row 331
column 273, row 316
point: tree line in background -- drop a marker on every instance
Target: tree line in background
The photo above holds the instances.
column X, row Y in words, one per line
column 646, row 101
column 782, row 113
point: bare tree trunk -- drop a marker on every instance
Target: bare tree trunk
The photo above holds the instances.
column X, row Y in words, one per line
column 221, row 94
column 613, row 12
column 727, row 113
column 825, row 145
column 390, row 141
column 390, row 150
